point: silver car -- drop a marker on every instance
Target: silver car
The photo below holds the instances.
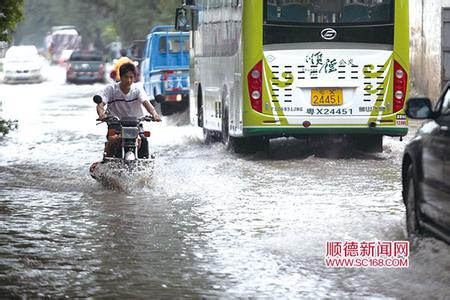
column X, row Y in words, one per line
column 22, row 64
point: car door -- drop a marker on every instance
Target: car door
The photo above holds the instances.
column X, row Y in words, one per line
column 441, row 203
column 433, row 142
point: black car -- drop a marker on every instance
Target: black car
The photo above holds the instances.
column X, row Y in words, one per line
column 426, row 169
column 85, row 67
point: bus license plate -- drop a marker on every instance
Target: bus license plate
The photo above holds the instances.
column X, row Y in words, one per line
column 327, row 97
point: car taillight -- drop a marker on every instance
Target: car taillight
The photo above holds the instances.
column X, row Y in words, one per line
column 400, row 82
column 254, row 79
column 69, row 67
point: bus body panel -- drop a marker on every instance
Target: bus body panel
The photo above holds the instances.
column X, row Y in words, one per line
column 290, row 76
column 220, row 79
column 216, row 72
column 401, row 33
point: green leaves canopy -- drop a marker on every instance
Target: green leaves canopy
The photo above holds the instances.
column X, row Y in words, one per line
column 10, row 14
column 99, row 21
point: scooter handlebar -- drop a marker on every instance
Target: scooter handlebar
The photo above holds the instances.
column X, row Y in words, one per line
column 113, row 118
column 147, row 119
column 107, row 119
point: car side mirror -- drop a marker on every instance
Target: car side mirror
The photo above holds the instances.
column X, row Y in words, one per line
column 419, row 108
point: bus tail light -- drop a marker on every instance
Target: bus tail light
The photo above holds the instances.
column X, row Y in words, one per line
column 255, row 86
column 400, row 82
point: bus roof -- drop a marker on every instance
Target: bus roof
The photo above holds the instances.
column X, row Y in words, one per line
column 62, row 27
column 66, row 32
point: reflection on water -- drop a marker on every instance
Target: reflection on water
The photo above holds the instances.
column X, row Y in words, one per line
column 210, row 223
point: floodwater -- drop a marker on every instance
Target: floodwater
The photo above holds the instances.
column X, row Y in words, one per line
column 209, row 224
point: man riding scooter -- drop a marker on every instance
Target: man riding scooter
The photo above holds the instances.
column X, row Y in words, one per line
column 123, row 99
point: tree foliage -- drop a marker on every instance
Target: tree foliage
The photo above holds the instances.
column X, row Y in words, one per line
column 7, row 125
column 10, row 14
column 99, row 21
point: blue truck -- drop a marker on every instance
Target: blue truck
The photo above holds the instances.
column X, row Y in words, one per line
column 165, row 68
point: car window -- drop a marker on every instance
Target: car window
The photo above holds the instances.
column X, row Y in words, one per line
column 86, row 56
column 176, row 44
column 21, row 52
column 445, row 110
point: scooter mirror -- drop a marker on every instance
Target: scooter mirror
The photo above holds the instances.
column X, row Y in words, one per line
column 97, row 99
column 160, row 98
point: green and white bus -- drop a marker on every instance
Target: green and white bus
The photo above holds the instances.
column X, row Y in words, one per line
column 262, row 69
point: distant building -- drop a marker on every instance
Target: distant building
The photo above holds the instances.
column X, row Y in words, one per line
column 430, row 45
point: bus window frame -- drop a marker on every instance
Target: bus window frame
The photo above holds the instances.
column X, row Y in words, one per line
column 391, row 20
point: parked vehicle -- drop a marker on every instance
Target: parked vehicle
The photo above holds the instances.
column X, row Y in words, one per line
column 426, row 168
column 85, row 67
column 62, row 38
column 165, row 68
column 23, row 64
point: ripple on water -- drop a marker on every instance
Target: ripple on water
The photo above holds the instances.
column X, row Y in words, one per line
column 211, row 224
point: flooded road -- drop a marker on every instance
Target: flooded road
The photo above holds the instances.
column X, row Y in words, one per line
column 210, row 224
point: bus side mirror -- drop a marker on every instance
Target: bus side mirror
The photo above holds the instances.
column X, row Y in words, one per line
column 181, row 20
column 194, row 11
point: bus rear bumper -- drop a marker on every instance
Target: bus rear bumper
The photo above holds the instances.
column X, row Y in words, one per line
column 302, row 131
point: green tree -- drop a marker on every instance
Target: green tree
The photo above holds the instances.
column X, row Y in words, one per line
column 41, row 15
column 134, row 19
column 11, row 12
column 6, row 126
column 99, row 21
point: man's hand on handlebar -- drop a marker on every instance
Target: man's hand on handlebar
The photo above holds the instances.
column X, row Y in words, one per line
column 102, row 117
column 156, row 117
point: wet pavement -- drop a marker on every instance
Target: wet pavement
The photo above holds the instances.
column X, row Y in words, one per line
column 209, row 224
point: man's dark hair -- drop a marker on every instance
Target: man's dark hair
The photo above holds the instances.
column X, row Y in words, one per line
column 125, row 68
column 123, row 52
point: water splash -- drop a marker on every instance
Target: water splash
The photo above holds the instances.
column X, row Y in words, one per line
column 123, row 176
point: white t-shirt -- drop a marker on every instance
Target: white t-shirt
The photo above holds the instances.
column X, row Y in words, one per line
column 120, row 105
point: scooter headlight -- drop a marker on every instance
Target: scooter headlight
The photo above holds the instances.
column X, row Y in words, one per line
column 130, row 132
column 130, row 156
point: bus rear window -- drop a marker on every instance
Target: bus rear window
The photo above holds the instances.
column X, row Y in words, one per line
column 345, row 12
